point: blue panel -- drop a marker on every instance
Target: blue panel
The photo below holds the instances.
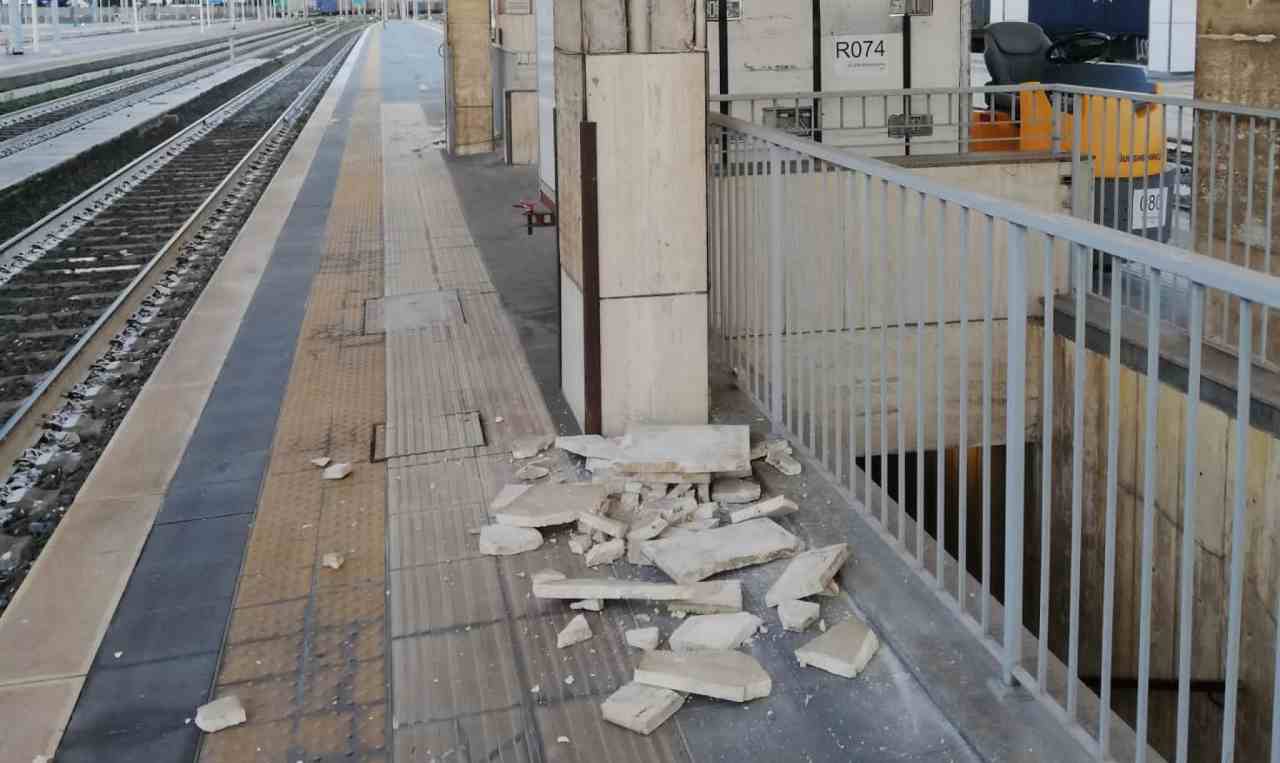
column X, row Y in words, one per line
column 1113, row 17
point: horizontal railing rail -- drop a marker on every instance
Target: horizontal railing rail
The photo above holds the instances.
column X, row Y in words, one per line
column 896, row 326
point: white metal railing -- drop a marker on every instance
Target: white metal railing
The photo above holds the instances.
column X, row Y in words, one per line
column 1193, row 173
column 846, row 295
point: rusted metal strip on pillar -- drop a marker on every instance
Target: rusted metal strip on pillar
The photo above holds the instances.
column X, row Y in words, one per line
column 590, row 280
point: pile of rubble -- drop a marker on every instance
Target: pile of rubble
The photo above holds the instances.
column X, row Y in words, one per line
column 681, row 499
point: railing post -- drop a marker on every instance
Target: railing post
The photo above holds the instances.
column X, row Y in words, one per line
column 775, row 285
column 1015, row 450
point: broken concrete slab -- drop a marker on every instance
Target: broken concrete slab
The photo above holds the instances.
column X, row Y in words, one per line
column 336, row 471
column 648, row 524
column 505, row 540
column 606, row 553
column 531, row 472
column 763, row 448
column 603, row 524
column 635, row 555
column 222, row 713
column 798, row 615
column 674, row 510
column 610, row 588
column 711, row 597
column 702, row 633
column 332, row 560
column 700, row 524
column 543, row 576
column 808, row 574
column 729, row 675
column 588, row 446
column 580, row 543
column 641, row 708
column 684, row 449
column 575, row 632
column 735, row 491
column 697, row 556
column 669, row 478
column 507, row 494
column 643, row 638
column 530, row 445
column 588, row 605
column 777, row 506
column 845, row 649
column 549, row 504
column 783, row 462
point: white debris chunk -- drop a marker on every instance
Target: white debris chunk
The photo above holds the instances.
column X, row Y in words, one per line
column 504, row 540
column 321, row 461
column 783, row 462
column 777, row 506
column 222, row 713
column 546, row 576
column 684, row 449
column 712, row 632
column 589, row 605
column 844, row 650
column 332, row 560
column 548, row 504
column 643, row 638
column 606, row 553
column 763, row 448
column 530, row 445
column 336, row 471
column 728, row 675
column 579, row 543
column 735, row 491
column 507, row 494
column 711, row 597
column 697, row 556
column 641, row 708
column 588, row 446
column 675, row 510
column 798, row 615
column 609, row 588
column 647, row 525
column 575, row 632
column 603, row 524
column 807, row 574
column 531, row 472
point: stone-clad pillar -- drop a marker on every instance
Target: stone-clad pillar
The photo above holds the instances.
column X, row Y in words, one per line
column 631, row 201
column 470, row 77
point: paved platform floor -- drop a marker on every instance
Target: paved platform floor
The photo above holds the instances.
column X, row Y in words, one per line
column 379, row 292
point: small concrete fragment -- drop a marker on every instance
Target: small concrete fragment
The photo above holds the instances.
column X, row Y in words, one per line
column 504, row 540
column 783, row 462
column 580, row 543
column 332, row 560
column 711, row 597
column 763, row 448
column 549, row 504
column 603, row 524
column 546, row 576
column 589, row 605
column 697, row 556
column 674, row 510
column 735, row 491
column 222, row 713
column 575, row 632
column 643, row 638
column 714, row 632
column 610, row 588
column 321, row 461
column 845, row 649
column 588, row 446
column 530, row 445
column 647, row 525
column 808, row 574
column 606, row 553
column 684, row 449
column 641, row 708
column 531, row 472
column 777, row 506
column 336, row 471
column 729, row 675
column 798, row 615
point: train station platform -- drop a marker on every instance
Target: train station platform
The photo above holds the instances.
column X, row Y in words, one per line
column 380, row 294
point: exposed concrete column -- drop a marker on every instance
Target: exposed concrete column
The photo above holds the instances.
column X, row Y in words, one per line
column 631, row 195
column 1238, row 62
column 470, row 96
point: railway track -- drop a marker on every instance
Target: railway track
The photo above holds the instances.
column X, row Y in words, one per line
column 29, row 127
column 91, row 296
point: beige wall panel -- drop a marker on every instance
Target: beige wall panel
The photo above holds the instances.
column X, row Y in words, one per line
column 653, row 361
column 570, row 111
column 671, row 25
column 523, row 134
column 517, row 31
column 572, row 363
column 604, row 26
column 472, row 66
column 474, row 130
column 651, row 117
column 568, row 25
